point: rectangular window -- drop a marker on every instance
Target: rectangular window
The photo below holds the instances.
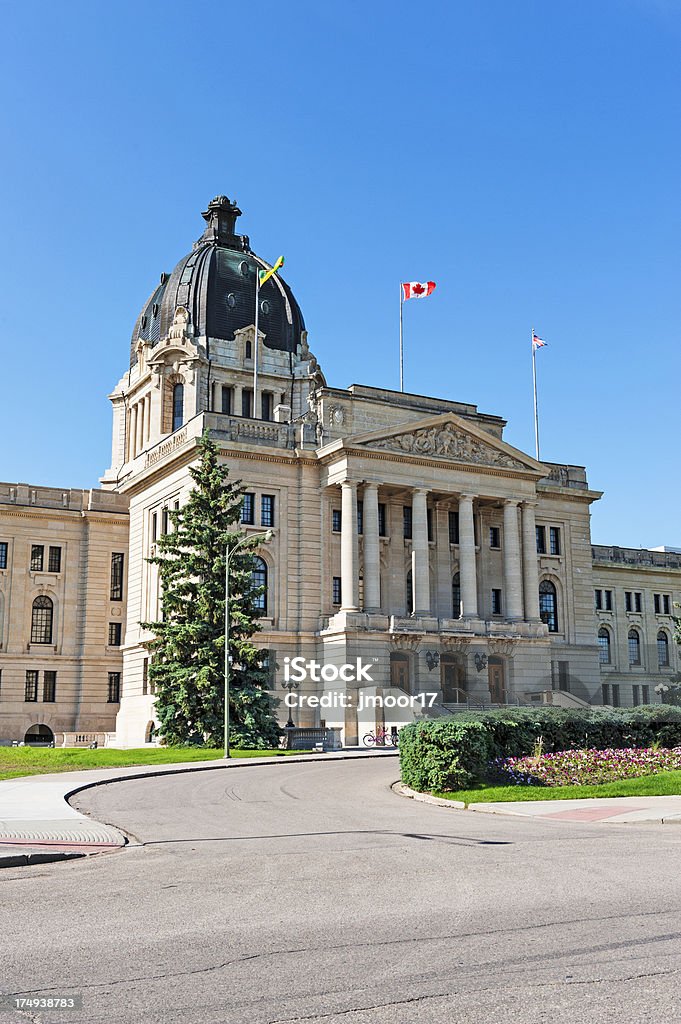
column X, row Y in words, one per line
column 336, row 590
column 637, row 602
column 37, row 554
column 336, row 520
column 554, row 540
column 360, row 517
column 657, row 603
column 496, row 601
column 164, row 521
column 248, row 509
column 154, row 527
column 31, row 690
column 429, row 523
column 3, row 554
column 49, row 687
column 115, row 634
column 54, row 560
column 114, row 688
column 627, row 601
column 226, row 399
column 635, row 698
column 453, row 527
column 145, row 676
column 266, row 404
column 645, row 694
column 605, row 693
column 541, row 540
column 608, row 600
column 599, row 599
column 494, row 537
column 246, row 402
column 615, row 695
column 382, row 531
column 267, row 510
column 666, row 605
column 117, row 576
column 407, row 522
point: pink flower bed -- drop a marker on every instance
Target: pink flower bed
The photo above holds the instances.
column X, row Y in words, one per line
column 587, row 767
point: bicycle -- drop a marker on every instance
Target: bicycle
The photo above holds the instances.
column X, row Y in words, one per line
column 381, row 738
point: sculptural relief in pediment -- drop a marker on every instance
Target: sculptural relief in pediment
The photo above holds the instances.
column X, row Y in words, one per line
column 450, row 443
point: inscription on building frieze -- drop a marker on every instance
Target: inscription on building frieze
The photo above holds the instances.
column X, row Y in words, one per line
column 166, row 448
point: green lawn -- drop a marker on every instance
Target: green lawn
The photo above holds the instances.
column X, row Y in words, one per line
column 17, row 761
column 664, row 784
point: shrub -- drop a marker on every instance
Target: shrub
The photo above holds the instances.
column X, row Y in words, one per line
column 448, row 754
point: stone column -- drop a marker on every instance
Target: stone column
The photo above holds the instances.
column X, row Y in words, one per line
column 372, row 558
column 443, row 563
column 349, row 548
column 236, row 407
column 530, row 562
column 133, row 433
column 467, row 567
column 420, row 569
column 513, row 580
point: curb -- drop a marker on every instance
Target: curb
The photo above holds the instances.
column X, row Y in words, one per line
column 426, row 798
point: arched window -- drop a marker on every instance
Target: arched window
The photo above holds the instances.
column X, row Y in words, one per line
column 410, row 593
column 249, row 349
column 634, row 641
column 604, row 646
column 259, row 580
column 548, row 605
column 41, row 621
column 662, row 649
column 456, row 596
column 178, row 406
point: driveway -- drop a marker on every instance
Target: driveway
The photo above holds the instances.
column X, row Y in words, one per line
column 311, row 892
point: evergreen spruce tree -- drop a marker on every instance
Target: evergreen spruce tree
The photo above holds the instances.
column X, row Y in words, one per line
column 187, row 653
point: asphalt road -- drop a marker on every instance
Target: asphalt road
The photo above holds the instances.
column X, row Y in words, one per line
column 311, row 892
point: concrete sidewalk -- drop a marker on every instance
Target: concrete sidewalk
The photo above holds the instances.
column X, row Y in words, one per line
column 37, row 824
column 623, row 810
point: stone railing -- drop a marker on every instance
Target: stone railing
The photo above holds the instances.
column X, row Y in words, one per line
column 636, row 556
column 566, row 476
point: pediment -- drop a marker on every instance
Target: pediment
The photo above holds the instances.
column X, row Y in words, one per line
column 450, row 438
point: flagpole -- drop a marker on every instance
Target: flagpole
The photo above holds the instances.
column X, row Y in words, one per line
column 401, row 341
column 255, row 342
column 534, row 382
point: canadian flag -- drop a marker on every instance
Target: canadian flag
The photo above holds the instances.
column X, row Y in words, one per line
column 416, row 290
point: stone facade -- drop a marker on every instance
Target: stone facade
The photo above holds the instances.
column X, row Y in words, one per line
column 62, row 623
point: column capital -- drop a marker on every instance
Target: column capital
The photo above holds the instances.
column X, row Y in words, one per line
column 467, row 497
column 348, row 483
column 511, row 502
column 530, row 503
column 420, row 490
column 371, row 485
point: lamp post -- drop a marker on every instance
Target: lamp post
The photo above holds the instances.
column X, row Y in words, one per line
column 290, row 686
column 265, row 537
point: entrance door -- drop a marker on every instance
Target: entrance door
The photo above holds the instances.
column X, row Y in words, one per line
column 452, row 679
column 399, row 671
column 497, row 687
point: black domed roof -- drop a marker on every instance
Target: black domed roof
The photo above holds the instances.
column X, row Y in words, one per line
column 216, row 284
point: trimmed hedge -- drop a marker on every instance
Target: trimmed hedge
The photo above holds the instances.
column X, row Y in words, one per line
column 449, row 754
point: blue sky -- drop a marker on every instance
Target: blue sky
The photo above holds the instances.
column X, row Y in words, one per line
column 525, row 156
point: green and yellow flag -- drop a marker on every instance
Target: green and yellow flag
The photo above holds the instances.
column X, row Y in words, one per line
column 265, row 275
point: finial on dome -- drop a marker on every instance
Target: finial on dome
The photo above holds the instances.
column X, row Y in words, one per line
column 220, row 218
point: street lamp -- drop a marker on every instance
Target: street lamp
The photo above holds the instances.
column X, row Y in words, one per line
column 290, row 686
column 265, row 537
